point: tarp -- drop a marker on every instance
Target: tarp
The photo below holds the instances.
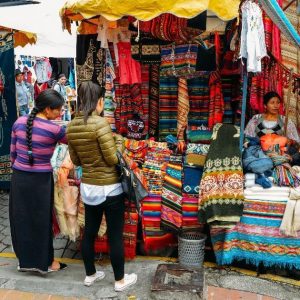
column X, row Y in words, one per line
column 44, row 20
column 146, row 9
column 21, row 38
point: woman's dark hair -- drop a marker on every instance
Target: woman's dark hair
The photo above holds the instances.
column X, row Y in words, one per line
column 48, row 98
column 61, row 76
column 268, row 96
column 89, row 94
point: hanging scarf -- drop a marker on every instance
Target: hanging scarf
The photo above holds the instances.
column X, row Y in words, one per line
column 221, row 189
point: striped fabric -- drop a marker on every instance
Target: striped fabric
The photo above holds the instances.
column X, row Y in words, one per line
column 45, row 136
column 198, row 89
column 154, row 238
column 168, row 102
column 171, row 211
column 153, row 100
column 257, row 238
column 183, row 108
column 190, row 212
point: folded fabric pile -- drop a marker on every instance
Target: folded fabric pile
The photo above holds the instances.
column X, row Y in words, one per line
column 249, row 180
column 258, row 237
column 194, row 161
column 171, row 211
column 155, row 165
column 290, row 224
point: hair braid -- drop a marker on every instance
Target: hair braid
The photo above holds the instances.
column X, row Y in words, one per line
column 29, row 126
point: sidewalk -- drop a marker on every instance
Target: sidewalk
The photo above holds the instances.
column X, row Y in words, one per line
column 219, row 283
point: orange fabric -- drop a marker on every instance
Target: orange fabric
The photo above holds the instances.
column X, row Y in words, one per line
column 268, row 141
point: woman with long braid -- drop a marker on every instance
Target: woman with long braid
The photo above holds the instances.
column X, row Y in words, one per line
column 33, row 141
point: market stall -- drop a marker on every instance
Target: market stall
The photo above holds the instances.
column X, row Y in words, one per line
column 177, row 92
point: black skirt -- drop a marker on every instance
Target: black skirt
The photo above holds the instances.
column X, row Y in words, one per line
column 30, row 215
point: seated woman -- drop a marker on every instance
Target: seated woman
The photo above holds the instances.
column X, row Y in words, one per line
column 271, row 121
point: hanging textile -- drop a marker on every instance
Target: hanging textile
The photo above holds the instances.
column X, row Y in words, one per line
column 153, row 100
column 171, row 209
column 168, row 103
column 252, row 46
column 221, row 189
column 278, row 16
column 183, row 108
column 8, row 110
column 291, row 59
column 198, row 89
column 216, row 102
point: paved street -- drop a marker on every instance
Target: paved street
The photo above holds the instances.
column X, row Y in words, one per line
column 219, row 283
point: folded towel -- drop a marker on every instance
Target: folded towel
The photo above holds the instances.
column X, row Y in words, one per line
column 250, row 176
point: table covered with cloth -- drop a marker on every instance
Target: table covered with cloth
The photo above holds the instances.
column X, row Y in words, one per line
column 257, row 237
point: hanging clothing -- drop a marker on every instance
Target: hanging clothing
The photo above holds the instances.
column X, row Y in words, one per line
column 43, row 70
column 253, row 46
column 221, row 189
column 130, row 69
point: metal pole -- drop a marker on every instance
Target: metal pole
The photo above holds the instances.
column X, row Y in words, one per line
column 243, row 117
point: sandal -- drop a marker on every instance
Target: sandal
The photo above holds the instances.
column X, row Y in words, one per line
column 62, row 266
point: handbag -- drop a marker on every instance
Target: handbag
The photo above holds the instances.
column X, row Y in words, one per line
column 178, row 60
column 146, row 49
column 132, row 186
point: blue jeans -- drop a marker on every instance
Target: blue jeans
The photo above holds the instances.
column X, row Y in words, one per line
column 23, row 110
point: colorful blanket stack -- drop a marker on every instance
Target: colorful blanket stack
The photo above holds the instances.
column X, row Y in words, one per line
column 154, row 170
column 257, row 237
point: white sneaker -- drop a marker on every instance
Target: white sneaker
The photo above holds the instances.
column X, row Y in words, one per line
column 89, row 280
column 129, row 279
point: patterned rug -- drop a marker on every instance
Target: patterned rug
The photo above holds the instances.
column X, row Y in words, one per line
column 256, row 238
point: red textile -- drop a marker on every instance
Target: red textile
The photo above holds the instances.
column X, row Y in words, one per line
column 129, row 69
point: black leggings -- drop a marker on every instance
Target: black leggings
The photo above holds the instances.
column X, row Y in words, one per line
column 114, row 209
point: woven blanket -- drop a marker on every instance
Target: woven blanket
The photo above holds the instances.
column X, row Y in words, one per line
column 198, row 89
column 190, row 212
column 257, row 238
column 171, row 211
column 192, row 178
column 168, row 102
column 153, row 100
column 221, row 188
column 154, row 238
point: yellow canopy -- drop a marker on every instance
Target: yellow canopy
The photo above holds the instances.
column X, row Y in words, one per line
column 145, row 9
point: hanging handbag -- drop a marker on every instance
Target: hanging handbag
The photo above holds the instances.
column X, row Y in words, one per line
column 178, row 60
column 146, row 49
column 132, row 186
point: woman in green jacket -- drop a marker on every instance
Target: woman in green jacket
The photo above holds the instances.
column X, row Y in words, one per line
column 93, row 147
